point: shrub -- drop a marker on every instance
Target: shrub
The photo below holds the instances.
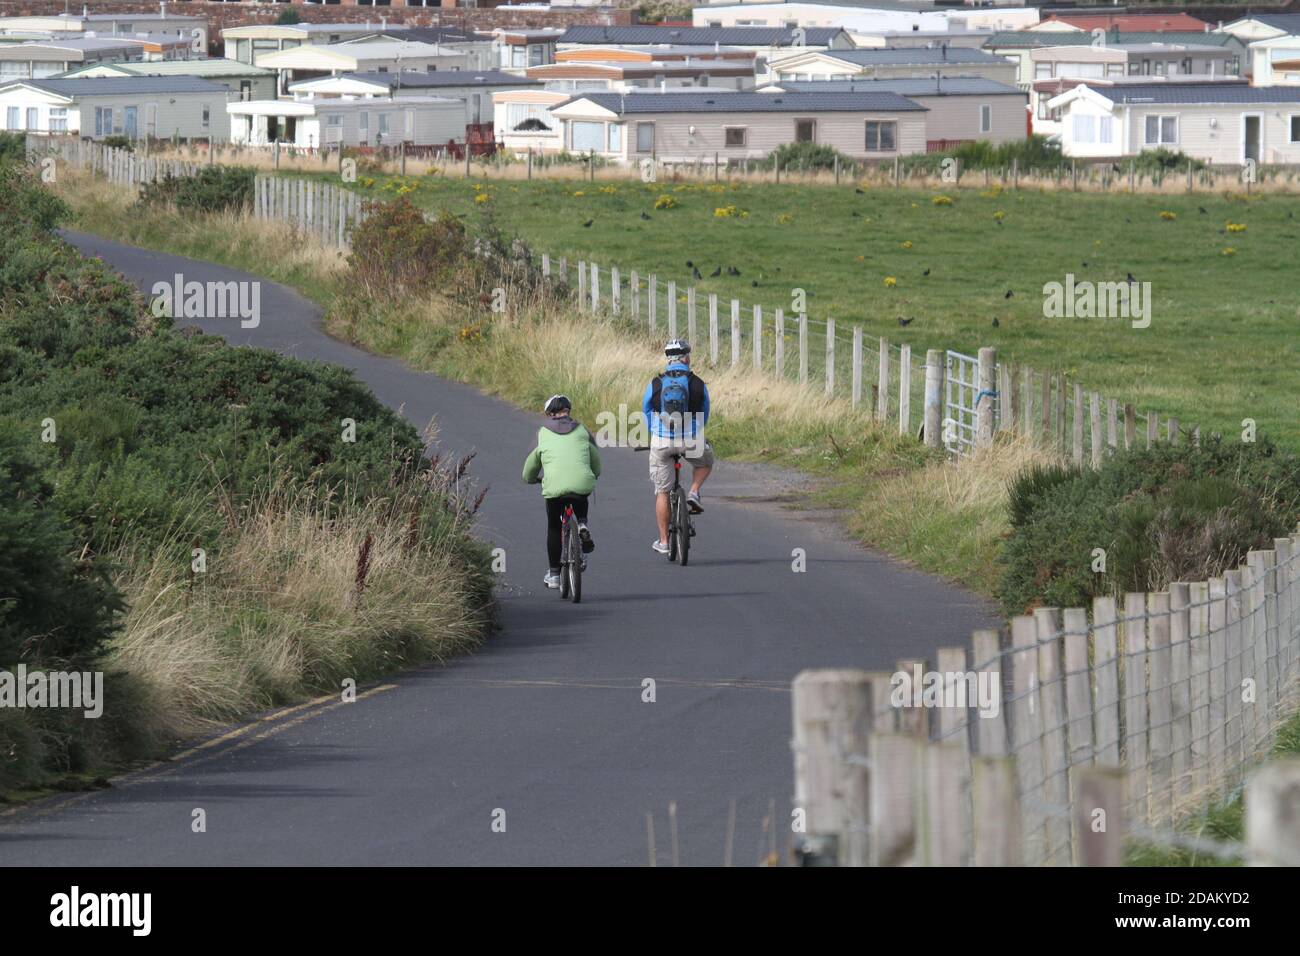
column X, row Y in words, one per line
column 214, row 189
column 13, row 148
column 119, row 141
column 1160, row 514
column 804, row 156
column 1163, row 159
column 1034, row 152
column 397, row 250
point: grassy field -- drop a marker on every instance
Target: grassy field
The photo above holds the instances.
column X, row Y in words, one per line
column 1220, row 347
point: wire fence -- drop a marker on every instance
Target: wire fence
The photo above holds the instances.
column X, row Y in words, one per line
column 1011, row 751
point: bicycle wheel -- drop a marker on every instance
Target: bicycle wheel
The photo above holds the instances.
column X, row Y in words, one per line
column 673, row 537
column 683, row 529
column 575, row 562
column 564, row 560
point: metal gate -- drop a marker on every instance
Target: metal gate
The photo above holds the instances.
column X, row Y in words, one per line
column 961, row 402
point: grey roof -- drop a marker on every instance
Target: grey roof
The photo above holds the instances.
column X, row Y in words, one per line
column 1036, row 39
column 411, row 79
column 421, row 34
column 1191, row 94
column 1290, row 22
column 698, row 36
column 906, row 86
column 669, row 102
column 929, row 56
column 124, row 85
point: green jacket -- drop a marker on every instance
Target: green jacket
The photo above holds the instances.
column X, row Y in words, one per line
column 566, row 457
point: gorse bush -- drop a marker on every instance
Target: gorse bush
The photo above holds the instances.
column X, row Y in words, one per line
column 800, row 156
column 1033, row 152
column 397, row 250
column 1163, row 160
column 214, row 189
column 13, row 148
column 1162, row 514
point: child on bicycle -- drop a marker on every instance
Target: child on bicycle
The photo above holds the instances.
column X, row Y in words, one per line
column 567, row 464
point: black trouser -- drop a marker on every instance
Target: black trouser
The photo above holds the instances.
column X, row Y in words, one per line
column 554, row 512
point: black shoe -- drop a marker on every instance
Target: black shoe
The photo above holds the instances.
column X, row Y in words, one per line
column 584, row 536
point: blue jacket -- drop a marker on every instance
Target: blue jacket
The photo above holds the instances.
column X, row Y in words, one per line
column 699, row 405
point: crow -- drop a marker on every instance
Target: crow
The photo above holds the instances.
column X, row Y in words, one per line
column 855, row 213
column 1201, row 210
column 695, row 273
column 926, row 272
column 644, row 216
column 587, row 224
column 904, row 322
column 689, row 264
column 1085, row 265
column 1131, row 280
column 1009, row 294
column 753, row 284
column 732, row 271
column 995, row 322
column 715, row 273
column 860, row 192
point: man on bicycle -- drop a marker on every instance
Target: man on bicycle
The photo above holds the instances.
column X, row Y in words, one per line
column 676, row 408
column 567, row 464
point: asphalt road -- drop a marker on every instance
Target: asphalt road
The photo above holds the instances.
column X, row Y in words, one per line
column 546, row 722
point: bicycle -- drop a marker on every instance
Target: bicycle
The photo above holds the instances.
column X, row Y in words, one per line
column 571, row 562
column 679, row 515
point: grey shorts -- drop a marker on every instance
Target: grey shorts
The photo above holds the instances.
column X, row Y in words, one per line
column 661, row 465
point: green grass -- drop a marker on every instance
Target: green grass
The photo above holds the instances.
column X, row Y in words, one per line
column 1221, row 345
column 1224, row 822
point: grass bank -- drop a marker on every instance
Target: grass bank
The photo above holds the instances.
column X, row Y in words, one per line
column 897, row 497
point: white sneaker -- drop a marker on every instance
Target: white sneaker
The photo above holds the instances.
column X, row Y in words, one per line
column 660, row 546
column 552, row 579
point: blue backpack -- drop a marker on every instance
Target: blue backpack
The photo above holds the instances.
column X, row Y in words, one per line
column 675, row 397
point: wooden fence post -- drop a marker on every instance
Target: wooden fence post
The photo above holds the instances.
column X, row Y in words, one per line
column 1094, row 427
column 934, row 372
column 1077, row 443
column 830, row 357
column 615, row 290
column 1272, row 824
column 758, row 338
column 651, row 289
column 1026, row 725
column 882, row 381
column 1159, row 708
column 1199, row 645
column 832, row 725
column 713, row 328
column 995, row 811
column 735, row 332
column 803, row 349
column 1135, row 751
column 896, row 759
column 1105, row 667
column 672, row 309
column 1180, row 662
column 1098, row 811
column 1056, row 792
column 986, row 398
column 634, row 290
column 595, row 287
column 904, row 389
column 856, row 390
column 690, row 317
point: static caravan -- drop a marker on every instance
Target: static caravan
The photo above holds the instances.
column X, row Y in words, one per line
column 158, row 107
column 316, row 123
column 473, row 88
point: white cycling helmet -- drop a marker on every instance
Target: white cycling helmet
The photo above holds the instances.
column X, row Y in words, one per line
column 555, row 403
column 677, row 347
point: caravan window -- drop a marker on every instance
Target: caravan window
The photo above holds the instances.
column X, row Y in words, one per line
column 587, row 136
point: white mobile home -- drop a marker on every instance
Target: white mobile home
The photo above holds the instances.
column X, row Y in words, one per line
column 472, row 88
column 247, row 82
column 960, row 108
column 317, row 123
column 679, row 127
column 1223, row 124
column 193, row 29
column 387, row 56
column 919, row 62
column 39, row 58
column 135, row 107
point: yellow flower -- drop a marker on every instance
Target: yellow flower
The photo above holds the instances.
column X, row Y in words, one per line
column 579, row 193
column 785, row 218
column 1236, row 227
column 1229, row 251
column 482, row 197
column 906, row 243
column 999, row 215
column 1168, row 216
column 665, row 202
column 942, row 200
column 890, row 282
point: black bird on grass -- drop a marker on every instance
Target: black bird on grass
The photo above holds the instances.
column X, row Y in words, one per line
column 689, row 264
column 587, row 224
column 695, row 273
column 732, row 271
column 995, row 323
column 1009, row 294
column 1201, row 210
column 859, row 191
column 644, row 216
column 715, row 273
column 904, row 322
column 753, row 283
column 1085, row 265
column 1131, row 280
column 926, row 272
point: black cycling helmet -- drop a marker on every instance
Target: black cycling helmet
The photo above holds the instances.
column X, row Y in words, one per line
column 677, row 347
column 557, row 402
